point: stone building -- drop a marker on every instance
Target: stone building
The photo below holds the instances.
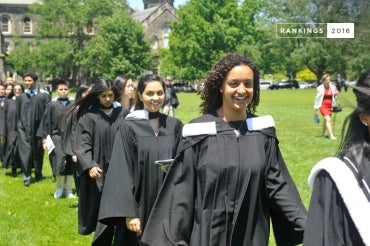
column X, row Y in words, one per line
column 14, row 21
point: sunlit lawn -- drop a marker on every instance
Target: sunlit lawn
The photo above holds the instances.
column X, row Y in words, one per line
column 31, row 216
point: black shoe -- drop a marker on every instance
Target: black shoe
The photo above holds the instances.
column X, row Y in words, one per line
column 27, row 182
column 38, row 179
column 14, row 172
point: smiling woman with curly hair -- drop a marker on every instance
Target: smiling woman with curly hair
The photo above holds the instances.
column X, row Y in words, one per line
column 228, row 178
column 212, row 96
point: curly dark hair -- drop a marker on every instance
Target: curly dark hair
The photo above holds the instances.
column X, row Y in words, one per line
column 211, row 95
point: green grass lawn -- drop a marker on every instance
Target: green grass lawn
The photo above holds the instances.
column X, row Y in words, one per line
column 31, row 215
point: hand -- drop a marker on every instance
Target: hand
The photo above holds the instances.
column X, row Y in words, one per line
column 133, row 224
column 44, row 146
column 95, row 172
column 2, row 139
column 74, row 158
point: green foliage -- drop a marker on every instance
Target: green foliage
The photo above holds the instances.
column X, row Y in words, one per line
column 119, row 48
column 31, row 215
column 318, row 54
column 204, row 32
column 76, row 39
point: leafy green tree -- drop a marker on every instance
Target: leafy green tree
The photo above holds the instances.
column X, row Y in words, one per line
column 68, row 35
column 205, row 31
column 23, row 57
column 119, row 48
column 320, row 55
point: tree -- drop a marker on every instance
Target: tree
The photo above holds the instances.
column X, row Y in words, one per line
column 205, row 31
column 321, row 55
column 66, row 31
column 119, row 48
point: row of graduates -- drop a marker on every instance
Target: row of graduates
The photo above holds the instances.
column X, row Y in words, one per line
column 9, row 91
column 227, row 179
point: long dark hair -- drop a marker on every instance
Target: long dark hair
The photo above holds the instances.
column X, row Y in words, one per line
column 11, row 94
column 211, row 95
column 100, row 86
column 141, row 87
column 355, row 142
column 120, row 83
column 81, row 89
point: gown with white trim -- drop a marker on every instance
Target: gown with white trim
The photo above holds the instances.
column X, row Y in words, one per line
column 222, row 189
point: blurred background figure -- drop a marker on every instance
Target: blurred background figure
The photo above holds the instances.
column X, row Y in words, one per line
column 126, row 91
column 171, row 100
column 324, row 102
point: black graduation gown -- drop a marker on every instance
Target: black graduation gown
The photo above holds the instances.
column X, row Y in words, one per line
column 69, row 130
column 30, row 111
column 10, row 133
column 95, row 135
column 222, row 189
column 53, row 121
column 329, row 221
column 2, row 127
column 133, row 180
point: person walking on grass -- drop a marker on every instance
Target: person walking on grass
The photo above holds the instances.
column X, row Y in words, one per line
column 31, row 106
column 228, row 178
column 324, row 101
column 98, row 117
column 53, row 121
column 171, row 100
column 134, row 179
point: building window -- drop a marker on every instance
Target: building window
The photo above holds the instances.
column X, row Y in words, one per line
column 166, row 36
column 89, row 28
column 154, row 44
column 7, row 47
column 5, row 24
column 27, row 25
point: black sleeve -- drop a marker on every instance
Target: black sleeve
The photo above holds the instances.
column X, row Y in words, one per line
column 288, row 214
column 329, row 222
column 84, row 144
column 118, row 201
column 171, row 219
column 45, row 124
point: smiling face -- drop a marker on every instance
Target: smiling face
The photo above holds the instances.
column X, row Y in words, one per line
column 106, row 98
column 29, row 82
column 2, row 90
column 153, row 96
column 17, row 90
column 237, row 92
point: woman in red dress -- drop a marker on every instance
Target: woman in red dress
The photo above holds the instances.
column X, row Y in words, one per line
column 324, row 101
